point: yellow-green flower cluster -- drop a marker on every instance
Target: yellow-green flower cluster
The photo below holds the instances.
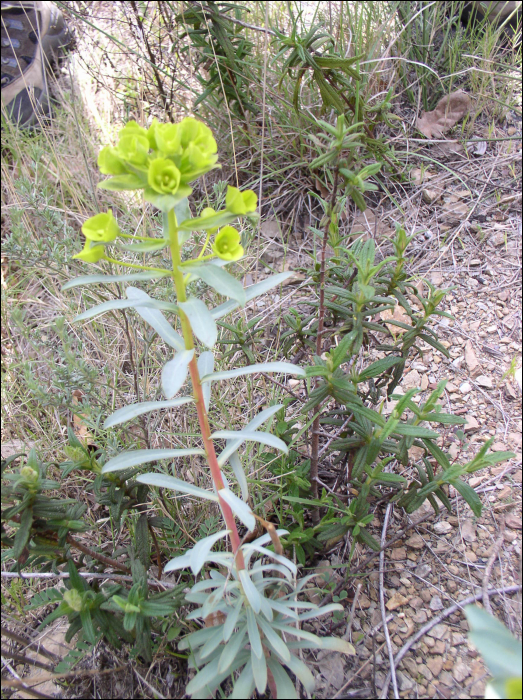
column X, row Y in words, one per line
column 99, row 229
column 164, row 158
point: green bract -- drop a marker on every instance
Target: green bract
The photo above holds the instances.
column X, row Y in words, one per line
column 133, row 148
column 102, row 227
column 163, row 176
column 240, row 202
column 109, row 162
column 227, row 244
column 91, row 254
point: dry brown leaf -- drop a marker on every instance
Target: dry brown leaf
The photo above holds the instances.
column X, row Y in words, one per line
column 79, row 427
column 448, row 112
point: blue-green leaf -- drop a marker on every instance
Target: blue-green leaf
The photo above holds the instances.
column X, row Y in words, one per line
column 254, row 435
column 170, row 482
column 137, row 409
column 144, row 246
column 232, row 445
column 239, row 508
column 251, row 292
column 174, row 372
column 220, row 280
column 120, row 183
column 125, row 460
column 201, row 321
column 285, row 367
column 105, row 279
column 157, row 320
column 205, row 364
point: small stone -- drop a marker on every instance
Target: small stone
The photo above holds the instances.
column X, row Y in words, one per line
column 446, row 679
column 470, row 356
column 404, row 682
column 471, row 424
column 478, row 689
column 460, row 672
column 398, row 554
column 411, row 379
column 435, row 665
column 498, row 447
column 471, row 557
column 442, row 528
column 416, row 602
column 397, row 601
column 482, row 380
column 512, row 521
column 468, row 531
column 430, row 196
column 426, row 595
column 436, row 603
column 498, row 239
column 439, row 647
column 438, row 631
column 425, row 671
column 465, row 388
column 451, row 388
column 364, row 602
column 453, row 451
column 420, row 617
column 415, row 542
column 423, row 570
column 416, row 453
column 424, row 382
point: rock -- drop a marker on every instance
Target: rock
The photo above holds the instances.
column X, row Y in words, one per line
column 471, row 557
column 398, row 554
column 498, row 447
column 411, row 379
column 424, row 382
column 415, row 542
column 471, row 424
column 468, row 531
column 446, row 679
column 451, row 388
column 332, row 669
column 512, row 521
column 470, row 356
column 482, row 380
column 430, row 196
column 416, row 453
column 465, row 388
column 478, row 689
column 498, row 239
column 442, row 528
column 435, row 665
column 453, row 451
column 425, row 671
column 439, row 647
column 420, row 617
column 460, row 672
column 426, row 595
column 404, row 682
column 396, row 601
column 439, row 632
column 423, row 570
column 436, row 603
column 416, row 602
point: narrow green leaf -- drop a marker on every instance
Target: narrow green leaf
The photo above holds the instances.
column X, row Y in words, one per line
column 232, row 445
column 378, row 368
column 125, row 460
column 205, row 364
column 284, row 686
column 120, row 183
column 144, row 246
column 445, row 418
column 469, row 495
column 137, row 409
column 250, row 590
column 415, row 431
column 202, row 548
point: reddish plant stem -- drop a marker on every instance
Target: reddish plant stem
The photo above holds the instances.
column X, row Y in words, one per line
column 315, row 442
column 213, row 462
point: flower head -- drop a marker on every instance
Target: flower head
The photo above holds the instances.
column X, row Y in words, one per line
column 167, row 137
column 91, row 253
column 133, row 148
column 163, row 176
column 132, row 128
column 102, row 227
column 227, row 244
column 240, row 202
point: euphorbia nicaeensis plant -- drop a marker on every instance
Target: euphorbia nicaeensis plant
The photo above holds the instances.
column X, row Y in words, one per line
column 252, row 612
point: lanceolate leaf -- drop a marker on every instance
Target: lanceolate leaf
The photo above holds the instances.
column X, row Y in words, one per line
column 239, row 508
column 174, row 372
column 157, row 320
column 251, row 292
column 170, row 482
column 232, row 445
column 105, row 279
column 378, row 368
column 125, row 460
column 144, row 246
column 220, row 280
column 201, row 321
column 469, row 495
column 205, row 366
column 137, row 409
column 254, row 435
column 284, row 367
column 109, row 306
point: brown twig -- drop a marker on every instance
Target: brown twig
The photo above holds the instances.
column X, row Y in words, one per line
column 452, row 609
